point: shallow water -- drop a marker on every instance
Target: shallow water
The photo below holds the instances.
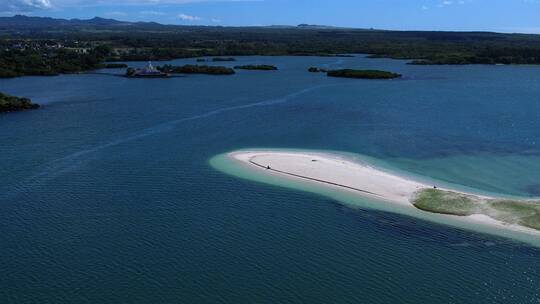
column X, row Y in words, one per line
column 107, row 195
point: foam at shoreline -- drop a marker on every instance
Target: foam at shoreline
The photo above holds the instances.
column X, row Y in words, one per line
column 357, row 183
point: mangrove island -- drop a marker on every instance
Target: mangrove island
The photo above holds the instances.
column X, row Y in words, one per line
column 261, row 67
column 11, row 103
column 363, row 74
column 116, row 66
column 217, row 59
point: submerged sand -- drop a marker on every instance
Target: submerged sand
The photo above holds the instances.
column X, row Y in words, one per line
column 338, row 172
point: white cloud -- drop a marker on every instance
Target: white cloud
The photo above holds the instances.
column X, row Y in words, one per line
column 188, row 17
column 446, row 3
column 24, row 5
column 33, row 5
column 70, row 3
column 37, row 3
column 152, row 13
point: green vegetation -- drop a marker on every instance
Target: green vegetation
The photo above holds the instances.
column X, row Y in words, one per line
column 11, row 103
column 364, row 74
column 445, row 202
column 196, row 69
column 47, row 46
column 169, row 42
column 223, row 59
column 316, row 70
column 261, row 67
column 15, row 63
column 486, row 56
column 525, row 213
column 116, row 65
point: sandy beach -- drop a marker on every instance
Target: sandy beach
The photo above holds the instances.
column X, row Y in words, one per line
column 338, row 172
column 331, row 170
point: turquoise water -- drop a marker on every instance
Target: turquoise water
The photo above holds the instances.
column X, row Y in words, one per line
column 107, row 194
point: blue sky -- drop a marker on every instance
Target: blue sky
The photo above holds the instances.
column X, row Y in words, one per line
column 491, row 15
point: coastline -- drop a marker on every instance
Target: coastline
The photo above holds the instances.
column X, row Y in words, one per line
column 359, row 184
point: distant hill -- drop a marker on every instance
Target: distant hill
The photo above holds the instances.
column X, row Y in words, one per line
column 317, row 26
column 27, row 22
column 21, row 24
column 21, row 21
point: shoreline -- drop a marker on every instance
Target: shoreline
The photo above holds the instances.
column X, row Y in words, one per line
column 358, row 181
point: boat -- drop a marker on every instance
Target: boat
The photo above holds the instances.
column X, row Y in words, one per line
column 148, row 72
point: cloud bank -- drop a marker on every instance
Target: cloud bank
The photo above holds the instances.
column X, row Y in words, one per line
column 15, row 6
column 18, row 6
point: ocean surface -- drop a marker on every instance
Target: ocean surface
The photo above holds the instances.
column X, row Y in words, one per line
column 107, row 194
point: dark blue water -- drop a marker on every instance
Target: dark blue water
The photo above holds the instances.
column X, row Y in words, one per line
column 107, row 196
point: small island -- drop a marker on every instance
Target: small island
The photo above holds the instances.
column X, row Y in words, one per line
column 363, row 74
column 12, row 104
column 116, row 66
column 196, row 69
column 217, row 59
column 317, row 70
column 261, row 67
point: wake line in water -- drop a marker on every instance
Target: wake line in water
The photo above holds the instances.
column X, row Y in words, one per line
column 71, row 162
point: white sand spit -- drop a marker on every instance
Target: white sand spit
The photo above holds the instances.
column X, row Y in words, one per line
column 332, row 170
column 339, row 172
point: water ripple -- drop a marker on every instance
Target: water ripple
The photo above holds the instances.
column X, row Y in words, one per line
column 73, row 161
